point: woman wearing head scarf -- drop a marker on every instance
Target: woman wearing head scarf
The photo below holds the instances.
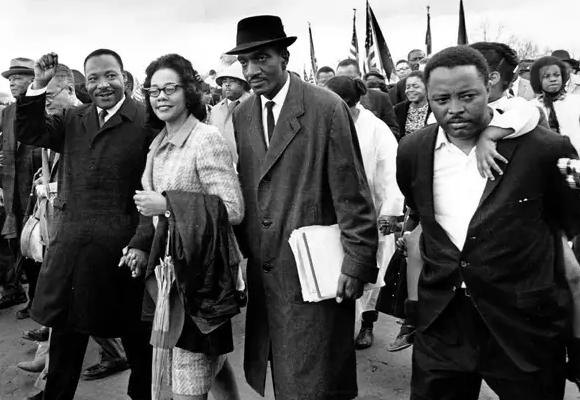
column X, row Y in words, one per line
column 379, row 152
column 548, row 78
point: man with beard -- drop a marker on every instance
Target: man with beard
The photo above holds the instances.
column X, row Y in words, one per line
column 19, row 164
column 299, row 165
column 493, row 305
column 81, row 289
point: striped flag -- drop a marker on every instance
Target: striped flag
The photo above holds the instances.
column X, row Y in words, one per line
column 312, row 55
column 354, row 42
column 428, row 41
column 462, row 32
column 372, row 61
column 383, row 52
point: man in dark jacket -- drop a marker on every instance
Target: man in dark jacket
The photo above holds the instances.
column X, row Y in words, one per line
column 377, row 102
column 81, row 290
column 492, row 303
column 20, row 163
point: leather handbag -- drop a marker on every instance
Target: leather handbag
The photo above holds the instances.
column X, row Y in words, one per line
column 35, row 229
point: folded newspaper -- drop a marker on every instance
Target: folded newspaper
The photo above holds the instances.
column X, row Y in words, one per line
column 318, row 253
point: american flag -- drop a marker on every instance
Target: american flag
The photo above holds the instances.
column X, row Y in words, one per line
column 354, row 42
column 372, row 60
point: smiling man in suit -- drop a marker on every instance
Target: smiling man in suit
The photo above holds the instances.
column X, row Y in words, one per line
column 491, row 303
column 299, row 165
column 81, row 290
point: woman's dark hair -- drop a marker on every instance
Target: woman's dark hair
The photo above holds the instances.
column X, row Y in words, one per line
column 535, row 76
column 190, row 80
column 501, row 58
column 350, row 90
column 418, row 74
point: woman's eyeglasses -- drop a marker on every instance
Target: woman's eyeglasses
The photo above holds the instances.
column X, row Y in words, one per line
column 168, row 90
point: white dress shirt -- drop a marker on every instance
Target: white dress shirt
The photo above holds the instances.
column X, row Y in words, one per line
column 110, row 112
column 278, row 103
column 457, row 188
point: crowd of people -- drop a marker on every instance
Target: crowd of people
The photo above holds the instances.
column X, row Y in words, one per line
column 454, row 217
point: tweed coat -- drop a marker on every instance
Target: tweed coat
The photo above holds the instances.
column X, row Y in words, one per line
column 80, row 283
column 312, row 174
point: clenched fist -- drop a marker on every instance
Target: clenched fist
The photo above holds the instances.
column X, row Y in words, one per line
column 44, row 70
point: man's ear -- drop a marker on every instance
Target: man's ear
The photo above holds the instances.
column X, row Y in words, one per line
column 494, row 79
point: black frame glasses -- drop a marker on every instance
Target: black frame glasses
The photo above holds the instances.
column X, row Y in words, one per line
column 167, row 89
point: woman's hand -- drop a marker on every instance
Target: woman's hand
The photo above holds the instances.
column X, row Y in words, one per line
column 150, row 203
column 486, row 154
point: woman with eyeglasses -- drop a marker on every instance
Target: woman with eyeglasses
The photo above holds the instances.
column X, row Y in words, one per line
column 189, row 164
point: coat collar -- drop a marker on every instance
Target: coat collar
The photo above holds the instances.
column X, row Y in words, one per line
column 287, row 125
column 90, row 118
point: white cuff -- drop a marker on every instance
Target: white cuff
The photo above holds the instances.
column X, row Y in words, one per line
column 35, row 92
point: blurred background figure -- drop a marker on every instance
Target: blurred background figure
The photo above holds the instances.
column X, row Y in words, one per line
column 376, row 81
column 572, row 66
column 323, row 75
column 524, row 68
column 80, row 87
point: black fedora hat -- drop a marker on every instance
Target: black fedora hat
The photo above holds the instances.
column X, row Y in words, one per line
column 259, row 31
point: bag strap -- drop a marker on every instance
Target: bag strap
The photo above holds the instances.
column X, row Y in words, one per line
column 45, row 169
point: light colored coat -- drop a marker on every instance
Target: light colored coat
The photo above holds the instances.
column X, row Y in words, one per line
column 221, row 118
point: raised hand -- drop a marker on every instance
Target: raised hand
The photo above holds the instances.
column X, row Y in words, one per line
column 44, row 70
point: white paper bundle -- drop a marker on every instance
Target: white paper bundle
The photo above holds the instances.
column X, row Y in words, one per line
column 318, row 253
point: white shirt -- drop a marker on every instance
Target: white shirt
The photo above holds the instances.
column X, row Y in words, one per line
column 278, row 103
column 568, row 112
column 110, row 112
column 457, row 188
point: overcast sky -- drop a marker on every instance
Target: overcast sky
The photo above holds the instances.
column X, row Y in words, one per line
column 141, row 30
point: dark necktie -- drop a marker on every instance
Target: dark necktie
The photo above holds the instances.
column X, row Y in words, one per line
column 271, row 124
column 511, row 92
column 102, row 116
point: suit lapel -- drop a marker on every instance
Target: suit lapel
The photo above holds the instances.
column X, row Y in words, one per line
column 506, row 148
column 90, row 121
column 256, row 133
column 287, row 125
column 425, row 169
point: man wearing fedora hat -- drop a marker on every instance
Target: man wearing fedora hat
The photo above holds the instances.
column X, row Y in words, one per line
column 235, row 89
column 19, row 163
column 299, row 165
column 573, row 84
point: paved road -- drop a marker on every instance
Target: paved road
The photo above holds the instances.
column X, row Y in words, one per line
column 382, row 375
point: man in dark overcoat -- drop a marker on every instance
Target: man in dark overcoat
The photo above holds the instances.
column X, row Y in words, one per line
column 81, row 289
column 493, row 303
column 299, row 165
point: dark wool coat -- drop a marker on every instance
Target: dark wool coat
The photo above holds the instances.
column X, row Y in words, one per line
column 312, row 174
column 80, row 282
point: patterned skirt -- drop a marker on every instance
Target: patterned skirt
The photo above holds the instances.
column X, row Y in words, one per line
column 193, row 374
